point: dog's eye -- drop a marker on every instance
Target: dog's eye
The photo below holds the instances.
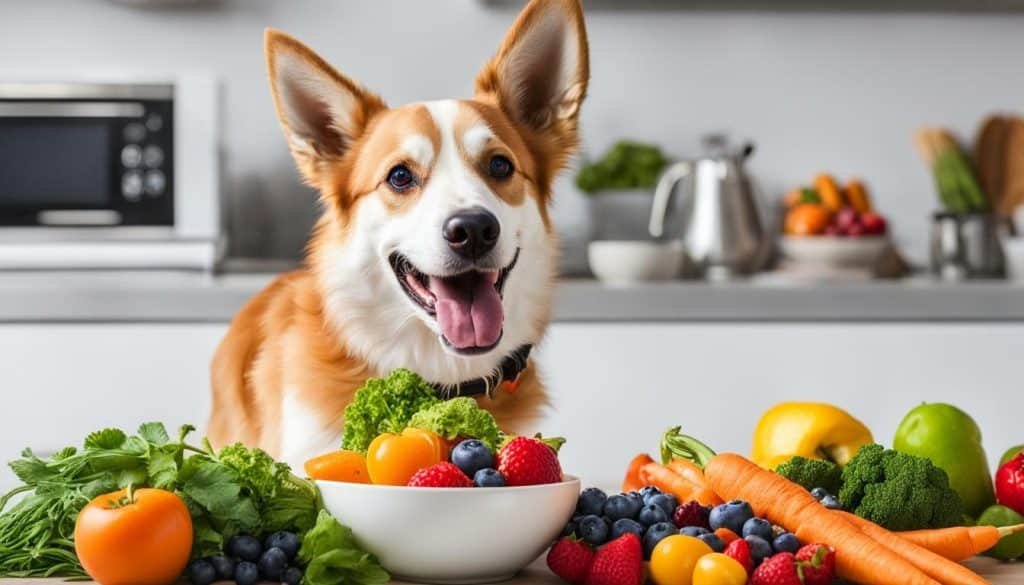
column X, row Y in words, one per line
column 400, row 178
column 500, row 167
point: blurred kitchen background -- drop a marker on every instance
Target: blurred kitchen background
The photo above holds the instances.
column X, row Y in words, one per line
column 841, row 228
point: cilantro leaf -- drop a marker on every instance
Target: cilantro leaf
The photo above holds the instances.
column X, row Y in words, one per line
column 154, row 432
column 105, row 439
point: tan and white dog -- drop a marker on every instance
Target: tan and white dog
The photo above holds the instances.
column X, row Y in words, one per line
column 435, row 250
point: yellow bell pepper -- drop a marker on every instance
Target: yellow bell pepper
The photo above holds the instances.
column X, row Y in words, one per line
column 809, row 429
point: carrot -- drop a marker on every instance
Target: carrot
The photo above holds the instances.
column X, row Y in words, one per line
column 940, row 568
column 859, row 558
column 688, row 470
column 669, row 481
column 727, row 535
column 348, row 466
column 960, row 542
column 632, row 482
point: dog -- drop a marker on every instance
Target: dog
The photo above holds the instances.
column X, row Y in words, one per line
column 435, row 250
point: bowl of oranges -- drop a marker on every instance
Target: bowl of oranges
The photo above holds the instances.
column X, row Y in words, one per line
column 832, row 225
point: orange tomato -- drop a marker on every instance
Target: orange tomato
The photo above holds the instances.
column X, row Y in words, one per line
column 393, row 459
column 342, row 465
column 140, row 537
column 442, row 446
column 807, row 219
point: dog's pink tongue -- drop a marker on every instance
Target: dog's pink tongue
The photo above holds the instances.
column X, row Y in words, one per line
column 468, row 309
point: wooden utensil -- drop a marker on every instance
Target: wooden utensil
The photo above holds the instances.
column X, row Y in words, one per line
column 990, row 158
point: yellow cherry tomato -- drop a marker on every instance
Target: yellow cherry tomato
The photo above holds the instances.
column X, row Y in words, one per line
column 674, row 558
column 393, row 459
column 718, row 569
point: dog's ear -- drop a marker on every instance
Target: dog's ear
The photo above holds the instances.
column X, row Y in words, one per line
column 539, row 75
column 321, row 111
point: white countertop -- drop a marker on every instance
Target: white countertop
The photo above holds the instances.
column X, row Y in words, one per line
column 142, row 296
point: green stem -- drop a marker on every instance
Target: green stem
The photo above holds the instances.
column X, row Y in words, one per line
column 677, row 445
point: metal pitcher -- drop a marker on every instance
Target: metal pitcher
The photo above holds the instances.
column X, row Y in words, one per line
column 720, row 224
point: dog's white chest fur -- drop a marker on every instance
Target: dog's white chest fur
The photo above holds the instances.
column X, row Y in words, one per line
column 303, row 435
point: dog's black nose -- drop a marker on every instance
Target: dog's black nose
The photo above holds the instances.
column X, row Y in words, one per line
column 471, row 233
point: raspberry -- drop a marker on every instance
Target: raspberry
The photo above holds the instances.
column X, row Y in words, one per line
column 443, row 474
column 691, row 514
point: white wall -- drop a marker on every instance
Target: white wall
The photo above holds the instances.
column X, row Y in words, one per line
column 616, row 387
column 816, row 91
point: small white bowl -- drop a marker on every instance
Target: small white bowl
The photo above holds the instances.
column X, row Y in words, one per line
column 453, row 535
column 1013, row 248
column 622, row 262
column 834, row 251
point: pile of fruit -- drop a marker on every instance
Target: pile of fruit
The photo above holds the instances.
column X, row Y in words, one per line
column 608, row 539
column 398, row 432
column 826, row 209
column 247, row 561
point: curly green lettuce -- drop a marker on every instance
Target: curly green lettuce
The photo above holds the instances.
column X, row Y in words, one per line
column 385, row 405
column 459, row 417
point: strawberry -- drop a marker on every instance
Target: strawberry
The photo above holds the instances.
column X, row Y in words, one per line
column 528, row 461
column 817, row 563
column 780, row 569
column 570, row 559
column 620, row 562
column 739, row 550
column 443, row 474
column 691, row 514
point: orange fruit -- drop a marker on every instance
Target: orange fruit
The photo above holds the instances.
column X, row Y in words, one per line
column 807, row 219
column 348, row 466
column 394, row 459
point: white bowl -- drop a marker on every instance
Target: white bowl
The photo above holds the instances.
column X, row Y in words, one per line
column 834, row 251
column 626, row 262
column 1013, row 248
column 453, row 535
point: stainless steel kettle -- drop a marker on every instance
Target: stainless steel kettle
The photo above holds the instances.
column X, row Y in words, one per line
column 720, row 222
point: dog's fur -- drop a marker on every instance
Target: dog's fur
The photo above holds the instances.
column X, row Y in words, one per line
column 297, row 352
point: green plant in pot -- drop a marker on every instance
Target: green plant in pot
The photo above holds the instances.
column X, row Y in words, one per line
column 621, row 184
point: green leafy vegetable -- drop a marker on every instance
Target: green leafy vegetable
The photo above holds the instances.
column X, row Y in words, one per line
column 385, row 405
column 332, row 557
column 236, row 490
column 812, row 473
column 899, row 491
column 627, row 165
column 459, row 417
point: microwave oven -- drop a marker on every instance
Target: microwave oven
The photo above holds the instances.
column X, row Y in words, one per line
column 110, row 174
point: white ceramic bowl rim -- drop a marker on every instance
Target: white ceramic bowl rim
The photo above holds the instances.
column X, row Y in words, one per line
column 566, row 479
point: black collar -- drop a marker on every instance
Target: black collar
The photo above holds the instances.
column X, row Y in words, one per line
column 508, row 371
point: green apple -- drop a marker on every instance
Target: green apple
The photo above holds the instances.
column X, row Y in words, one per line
column 951, row 440
column 1010, row 547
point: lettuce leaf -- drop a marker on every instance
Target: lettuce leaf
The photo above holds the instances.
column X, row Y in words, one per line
column 385, row 405
column 332, row 557
column 459, row 417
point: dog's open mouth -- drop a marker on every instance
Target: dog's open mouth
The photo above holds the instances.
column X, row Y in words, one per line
column 467, row 306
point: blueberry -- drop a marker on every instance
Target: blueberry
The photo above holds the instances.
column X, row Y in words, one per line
column 471, row 456
column 488, row 477
column 713, row 540
column 593, row 530
column 272, row 564
column 666, row 502
column 287, row 541
column 591, row 501
column 647, row 491
column 654, row 534
column 731, row 515
column 293, row 576
column 247, row 573
column 758, row 527
column 651, row 514
column 786, row 542
column 570, row 528
column 224, row 566
column 622, row 506
column 831, row 502
column 759, row 548
column 694, row 531
column 245, row 547
column 819, row 493
column 201, row 572
column 624, row 525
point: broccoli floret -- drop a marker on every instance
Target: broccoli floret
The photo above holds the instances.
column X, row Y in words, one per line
column 812, row 473
column 899, row 491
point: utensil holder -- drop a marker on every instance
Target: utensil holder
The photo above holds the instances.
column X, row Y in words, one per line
column 967, row 246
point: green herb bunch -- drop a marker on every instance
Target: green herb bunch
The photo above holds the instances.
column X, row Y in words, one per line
column 228, row 492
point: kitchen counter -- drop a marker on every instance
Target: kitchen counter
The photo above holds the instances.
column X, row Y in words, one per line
column 172, row 297
column 537, row 574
